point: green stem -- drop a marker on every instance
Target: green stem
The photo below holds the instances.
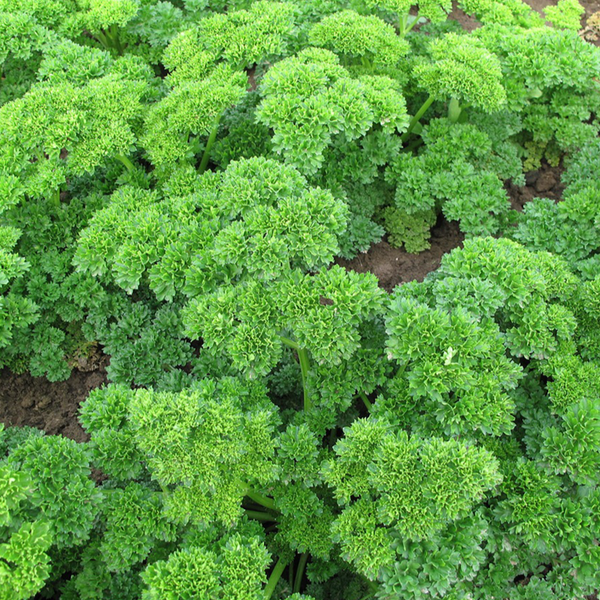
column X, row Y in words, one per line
column 417, row 118
column 56, row 196
column 103, row 40
column 300, row 573
column 260, row 499
column 114, row 37
column 304, row 368
column 274, row 579
column 367, row 402
column 258, row 515
column 209, row 144
column 290, row 343
column 454, row 110
column 128, row 164
column 400, row 370
column 257, row 497
column 415, row 21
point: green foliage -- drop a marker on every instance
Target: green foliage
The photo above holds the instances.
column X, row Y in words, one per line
column 442, row 356
column 257, row 217
column 410, row 230
column 434, row 10
column 105, row 416
column 530, row 286
column 49, row 13
column 582, row 166
column 16, row 312
column 454, row 173
column 323, row 311
column 224, row 444
column 174, row 125
column 64, row 494
column 20, row 36
column 503, row 12
column 403, row 488
column 132, row 517
column 25, row 563
column 240, row 39
column 48, row 502
column 570, row 229
column 230, row 567
column 242, row 136
column 177, row 178
column 66, row 61
column 51, row 297
column 150, row 31
column 351, row 170
column 566, row 14
column 61, row 130
column 309, row 98
column 73, row 18
column 463, row 70
column 556, row 94
column 358, row 37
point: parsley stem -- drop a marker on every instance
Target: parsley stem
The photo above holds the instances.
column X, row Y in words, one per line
column 258, row 515
column 454, row 110
column 403, row 23
column 102, row 39
column 300, row 572
column 413, row 23
column 257, row 497
column 113, row 36
column 209, row 144
column 367, row 402
column 417, row 118
column 290, row 343
column 274, row 578
column 125, row 161
column 304, row 368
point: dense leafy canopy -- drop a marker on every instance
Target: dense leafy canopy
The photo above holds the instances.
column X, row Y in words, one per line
column 177, row 180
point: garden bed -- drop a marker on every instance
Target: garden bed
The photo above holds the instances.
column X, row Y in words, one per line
column 300, row 301
column 52, row 407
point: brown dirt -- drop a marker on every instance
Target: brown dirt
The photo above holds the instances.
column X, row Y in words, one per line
column 51, row 407
column 394, row 265
column 541, row 183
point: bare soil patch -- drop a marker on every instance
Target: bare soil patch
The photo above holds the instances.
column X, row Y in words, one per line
column 51, row 407
column 394, row 266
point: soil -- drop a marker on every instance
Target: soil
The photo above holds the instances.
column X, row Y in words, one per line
column 394, row 266
column 542, row 183
column 51, row 407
